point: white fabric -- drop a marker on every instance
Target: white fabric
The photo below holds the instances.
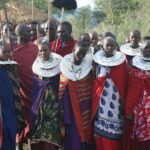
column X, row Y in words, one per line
column 109, row 122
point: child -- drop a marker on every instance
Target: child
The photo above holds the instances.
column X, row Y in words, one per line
column 109, row 88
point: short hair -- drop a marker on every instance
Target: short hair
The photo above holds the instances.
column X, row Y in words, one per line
column 109, row 38
column 110, row 34
column 68, row 25
column 84, row 34
column 43, row 42
column 34, row 22
column 19, row 29
column 136, row 31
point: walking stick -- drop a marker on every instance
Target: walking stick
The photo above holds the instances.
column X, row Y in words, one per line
column 32, row 9
column 49, row 17
column 7, row 22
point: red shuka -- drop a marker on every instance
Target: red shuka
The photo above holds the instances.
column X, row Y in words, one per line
column 135, row 91
column 57, row 47
column 25, row 55
column 119, row 77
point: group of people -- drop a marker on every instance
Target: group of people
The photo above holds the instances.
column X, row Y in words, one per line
column 57, row 92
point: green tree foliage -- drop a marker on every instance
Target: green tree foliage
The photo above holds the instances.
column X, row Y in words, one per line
column 122, row 16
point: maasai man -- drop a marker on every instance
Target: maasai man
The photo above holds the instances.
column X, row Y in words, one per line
column 11, row 121
column 133, row 48
column 75, row 96
column 109, row 88
column 46, row 132
column 137, row 129
column 50, row 31
column 25, row 54
column 65, row 43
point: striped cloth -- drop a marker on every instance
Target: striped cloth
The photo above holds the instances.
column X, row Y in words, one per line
column 80, row 97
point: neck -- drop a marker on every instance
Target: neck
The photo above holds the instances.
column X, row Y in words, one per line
column 76, row 62
column 134, row 46
column 67, row 40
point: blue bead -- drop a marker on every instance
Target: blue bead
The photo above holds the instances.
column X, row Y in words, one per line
column 115, row 89
column 114, row 96
column 102, row 122
column 111, row 126
column 107, row 85
column 110, row 114
column 112, row 105
column 101, row 110
column 103, row 101
column 105, row 93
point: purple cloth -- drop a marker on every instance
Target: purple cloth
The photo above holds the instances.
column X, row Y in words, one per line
column 38, row 92
column 72, row 139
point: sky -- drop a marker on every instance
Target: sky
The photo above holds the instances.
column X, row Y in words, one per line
column 84, row 2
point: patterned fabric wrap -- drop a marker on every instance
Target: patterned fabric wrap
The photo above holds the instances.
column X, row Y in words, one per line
column 12, row 121
column 109, row 119
column 80, row 97
column 138, row 81
column 116, row 77
column 16, row 94
column 46, row 126
column 141, row 128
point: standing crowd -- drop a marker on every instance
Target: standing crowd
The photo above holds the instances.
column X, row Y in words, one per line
column 59, row 93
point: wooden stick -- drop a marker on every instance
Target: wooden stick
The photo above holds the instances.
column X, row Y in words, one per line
column 62, row 14
column 37, row 30
column 32, row 9
column 49, row 17
column 29, row 144
column 1, row 37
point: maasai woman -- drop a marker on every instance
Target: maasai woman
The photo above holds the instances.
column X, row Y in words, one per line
column 11, row 121
column 137, row 129
column 46, row 133
column 75, row 95
column 133, row 48
column 109, row 88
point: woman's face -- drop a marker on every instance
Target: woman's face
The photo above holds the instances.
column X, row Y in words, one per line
column 135, row 39
column 146, row 49
column 5, row 53
column 44, row 52
column 85, row 39
column 80, row 54
column 109, row 47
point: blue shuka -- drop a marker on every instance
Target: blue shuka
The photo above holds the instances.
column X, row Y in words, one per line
column 7, row 111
